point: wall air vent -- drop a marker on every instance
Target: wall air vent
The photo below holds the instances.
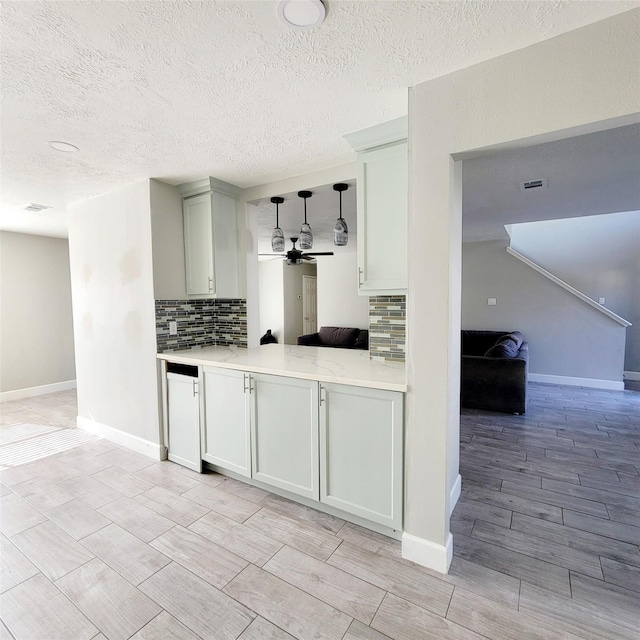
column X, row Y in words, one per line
column 540, row 184
column 33, row 207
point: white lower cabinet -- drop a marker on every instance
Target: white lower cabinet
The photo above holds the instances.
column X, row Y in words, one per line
column 183, row 421
column 225, row 432
column 361, row 452
column 338, row 444
column 284, row 433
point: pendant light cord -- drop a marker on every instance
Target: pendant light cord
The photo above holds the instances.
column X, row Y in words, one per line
column 305, row 211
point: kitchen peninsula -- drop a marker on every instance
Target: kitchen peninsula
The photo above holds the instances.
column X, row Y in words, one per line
column 318, row 425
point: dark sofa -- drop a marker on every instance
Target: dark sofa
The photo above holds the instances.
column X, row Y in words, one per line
column 338, row 337
column 495, row 366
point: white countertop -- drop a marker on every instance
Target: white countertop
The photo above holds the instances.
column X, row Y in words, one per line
column 342, row 366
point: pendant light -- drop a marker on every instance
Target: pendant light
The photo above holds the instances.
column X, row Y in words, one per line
column 277, row 237
column 340, row 230
column 306, row 235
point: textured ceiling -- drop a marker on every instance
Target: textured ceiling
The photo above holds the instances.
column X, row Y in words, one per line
column 182, row 90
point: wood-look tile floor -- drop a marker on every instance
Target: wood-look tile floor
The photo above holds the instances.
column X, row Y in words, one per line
column 98, row 542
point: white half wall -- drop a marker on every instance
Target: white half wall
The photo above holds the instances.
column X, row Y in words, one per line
column 582, row 81
column 113, row 311
column 339, row 304
column 36, row 327
column 566, row 336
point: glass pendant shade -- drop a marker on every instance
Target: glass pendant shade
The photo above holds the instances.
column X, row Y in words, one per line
column 277, row 237
column 305, row 236
column 340, row 233
column 340, row 229
column 277, row 240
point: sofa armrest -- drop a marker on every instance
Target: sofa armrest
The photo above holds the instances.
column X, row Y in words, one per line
column 309, row 340
column 496, row 384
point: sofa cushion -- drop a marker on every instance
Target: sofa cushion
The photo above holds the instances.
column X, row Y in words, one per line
column 506, row 348
column 516, row 336
column 338, row 336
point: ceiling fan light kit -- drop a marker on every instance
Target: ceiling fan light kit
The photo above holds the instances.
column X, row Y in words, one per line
column 277, row 237
column 340, row 229
column 306, row 235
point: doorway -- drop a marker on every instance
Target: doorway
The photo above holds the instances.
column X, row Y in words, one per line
column 309, row 304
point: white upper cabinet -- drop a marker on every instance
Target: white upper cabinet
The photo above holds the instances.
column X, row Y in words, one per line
column 382, row 195
column 212, row 257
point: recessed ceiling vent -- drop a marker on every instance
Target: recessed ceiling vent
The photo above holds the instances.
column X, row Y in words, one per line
column 540, row 184
column 34, row 207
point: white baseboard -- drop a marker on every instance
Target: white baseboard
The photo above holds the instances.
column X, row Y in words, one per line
column 455, row 494
column 135, row 443
column 631, row 375
column 429, row 554
column 41, row 390
column 592, row 383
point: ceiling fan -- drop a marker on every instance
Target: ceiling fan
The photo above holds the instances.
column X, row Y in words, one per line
column 295, row 256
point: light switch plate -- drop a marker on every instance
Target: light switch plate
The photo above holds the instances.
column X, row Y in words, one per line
column 600, row 300
column 492, row 301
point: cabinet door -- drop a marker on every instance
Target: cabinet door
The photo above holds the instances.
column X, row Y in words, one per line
column 284, row 433
column 225, row 239
column 382, row 220
column 183, row 421
column 226, row 435
column 198, row 244
column 361, row 446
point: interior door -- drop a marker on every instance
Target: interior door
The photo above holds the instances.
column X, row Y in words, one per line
column 309, row 305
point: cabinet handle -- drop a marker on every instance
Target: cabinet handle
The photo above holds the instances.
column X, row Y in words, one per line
column 360, row 273
column 194, row 387
column 244, row 382
column 210, row 284
column 322, row 394
column 252, row 386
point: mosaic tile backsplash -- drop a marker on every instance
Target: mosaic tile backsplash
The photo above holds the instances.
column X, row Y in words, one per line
column 388, row 327
column 201, row 323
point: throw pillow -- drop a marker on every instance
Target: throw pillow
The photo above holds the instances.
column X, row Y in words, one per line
column 516, row 336
column 505, row 349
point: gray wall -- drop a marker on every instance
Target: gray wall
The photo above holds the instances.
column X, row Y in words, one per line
column 599, row 256
column 566, row 336
column 36, row 335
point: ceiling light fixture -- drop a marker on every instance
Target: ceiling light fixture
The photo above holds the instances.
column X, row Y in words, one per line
column 340, row 230
column 301, row 14
column 306, row 235
column 277, row 237
column 34, row 207
column 65, row 147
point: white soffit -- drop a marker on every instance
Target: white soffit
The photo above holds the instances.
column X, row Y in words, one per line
column 182, row 90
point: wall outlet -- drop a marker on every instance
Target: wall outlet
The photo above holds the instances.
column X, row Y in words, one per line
column 173, row 328
column 600, row 300
column 492, row 302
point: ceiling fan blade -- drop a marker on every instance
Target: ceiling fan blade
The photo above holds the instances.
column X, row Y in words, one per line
column 318, row 253
column 272, row 254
